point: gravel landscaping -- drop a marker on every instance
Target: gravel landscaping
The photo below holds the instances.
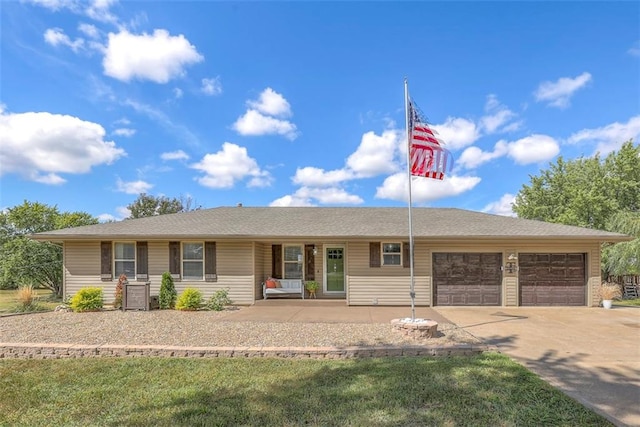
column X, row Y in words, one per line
column 205, row 329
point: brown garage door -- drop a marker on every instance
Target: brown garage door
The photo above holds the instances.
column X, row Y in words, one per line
column 552, row 279
column 467, row 278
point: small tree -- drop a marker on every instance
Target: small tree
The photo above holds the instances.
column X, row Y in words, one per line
column 168, row 292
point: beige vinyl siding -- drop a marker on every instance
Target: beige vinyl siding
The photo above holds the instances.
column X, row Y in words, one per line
column 235, row 271
column 82, row 269
column 388, row 285
column 259, row 259
column 158, row 263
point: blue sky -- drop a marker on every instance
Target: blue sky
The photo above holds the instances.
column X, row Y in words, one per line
column 302, row 104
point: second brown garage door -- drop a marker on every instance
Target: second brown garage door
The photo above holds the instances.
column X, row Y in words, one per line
column 552, row 279
column 467, row 278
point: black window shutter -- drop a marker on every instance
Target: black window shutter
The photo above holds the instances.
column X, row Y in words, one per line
column 276, row 261
column 310, row 263
column 105, row 261
column 374, row 254
column 174, row 259
column 406, row 255
column 210, row 271
column 142, row 261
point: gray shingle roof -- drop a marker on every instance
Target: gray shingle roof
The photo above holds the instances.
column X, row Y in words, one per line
column 338, row 222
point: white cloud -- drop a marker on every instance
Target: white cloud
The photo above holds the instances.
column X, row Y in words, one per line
column 133, row 187
column 56, row 37
column 472, row 157
column 40, row 146
column 177, row 92
column 376, row 154
column 211, row 86
column 163, row 120
column 99, row 10
column 55, row 5
column 124, row 132
column 105, row 217
column 158, row 57
column 253, row 123
column 457, row 132
column 122, row 213
column 610, row 137
column 289, row 200
column 498, row 117
column 533, row 149
column 89, row 30
column 559, row 93
column 231, row 164
column 502, row 206
column 175, row 155
column 635, row 49
column 316, row 177
column 304, row 196
column 271, row 103
column 395, row 187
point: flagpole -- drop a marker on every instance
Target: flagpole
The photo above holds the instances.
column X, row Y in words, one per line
column 412, row 292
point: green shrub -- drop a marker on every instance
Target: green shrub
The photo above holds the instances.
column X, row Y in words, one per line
column 87, row 299
column 168, row 292
column 190, row 299
column 219, row 300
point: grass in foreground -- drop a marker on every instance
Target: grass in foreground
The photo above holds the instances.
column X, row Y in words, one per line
column 486, row 390
column 628, row 302
column 9, row 299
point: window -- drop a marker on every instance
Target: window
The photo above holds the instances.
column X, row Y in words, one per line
column 192, row 261
column 125, row 259
column 292, row 262
column 391, row 254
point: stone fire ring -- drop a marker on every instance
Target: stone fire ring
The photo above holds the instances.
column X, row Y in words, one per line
column 416, row 328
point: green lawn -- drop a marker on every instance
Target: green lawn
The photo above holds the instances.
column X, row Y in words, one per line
column 8, row 299
column 485, row 390
column 628, row 302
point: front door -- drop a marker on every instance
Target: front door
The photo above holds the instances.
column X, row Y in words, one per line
column 334, row 269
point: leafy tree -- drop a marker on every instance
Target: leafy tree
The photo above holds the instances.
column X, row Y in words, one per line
column 24, row 261
column 586, row 192
column 146, row 205
column 168, row 293
column 623, row 258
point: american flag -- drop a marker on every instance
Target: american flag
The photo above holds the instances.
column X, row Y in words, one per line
column 428, row 156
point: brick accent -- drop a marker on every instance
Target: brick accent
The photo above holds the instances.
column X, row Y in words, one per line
column 74, row 351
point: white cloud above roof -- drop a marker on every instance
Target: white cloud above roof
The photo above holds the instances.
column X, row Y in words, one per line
column 230, row 165
column 498, row 117
column 305, row 196
column 533, row 149
column 128, row 132
column 158, row 57
column 457, row 132
column 558, row 94
column 503, row 206
column 395, row 187
column 133, row 187
column 317, row 177
column 376, row 154
column 40, row 146
column 610, row 137
column 472, row 157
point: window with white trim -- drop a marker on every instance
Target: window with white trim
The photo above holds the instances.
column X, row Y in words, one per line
column 392, row 254
column 192, row 261
column 124, row 259
column 292, row 260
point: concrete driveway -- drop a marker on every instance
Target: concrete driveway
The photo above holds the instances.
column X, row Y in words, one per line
column 591, row 354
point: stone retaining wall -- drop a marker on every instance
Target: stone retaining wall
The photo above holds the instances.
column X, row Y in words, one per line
column 64, row 351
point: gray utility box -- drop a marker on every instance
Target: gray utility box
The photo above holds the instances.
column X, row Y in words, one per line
column 135, row 296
